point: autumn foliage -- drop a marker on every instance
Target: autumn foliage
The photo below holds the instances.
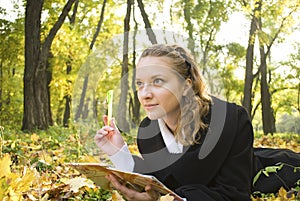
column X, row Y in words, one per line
column 32, row 167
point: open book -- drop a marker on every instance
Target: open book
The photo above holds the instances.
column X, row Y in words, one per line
column 97, row 172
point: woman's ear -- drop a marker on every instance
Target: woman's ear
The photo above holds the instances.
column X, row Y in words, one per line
column 187, row 86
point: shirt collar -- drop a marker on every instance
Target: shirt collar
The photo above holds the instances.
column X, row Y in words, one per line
column 169, row 139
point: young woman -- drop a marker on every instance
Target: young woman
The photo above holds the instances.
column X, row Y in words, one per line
column 197, row 145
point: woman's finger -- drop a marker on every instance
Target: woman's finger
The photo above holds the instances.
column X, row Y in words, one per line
column 114, row 181
column 113, row 123
column 151, row 192
column 105, row 119
column 122, row 188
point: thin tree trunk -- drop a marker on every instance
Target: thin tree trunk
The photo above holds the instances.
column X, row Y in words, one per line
column 187, row 16
column 134, row 105
column 248, row 94
column 149, row 30
column 122, row 109
column 67, row 97
column 267, row 111
column 99, row 25
column 80, row 109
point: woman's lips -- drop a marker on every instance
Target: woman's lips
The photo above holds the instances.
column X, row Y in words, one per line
column 149, row 106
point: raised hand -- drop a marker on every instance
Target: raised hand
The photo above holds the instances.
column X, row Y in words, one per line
column 109, row 138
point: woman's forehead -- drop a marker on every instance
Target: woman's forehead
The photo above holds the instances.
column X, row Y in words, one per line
column 150, row 66
column 154, row 70
column 152, row 60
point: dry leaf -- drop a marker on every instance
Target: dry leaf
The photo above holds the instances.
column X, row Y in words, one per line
column 5, row 163
column 78, row 182
column 166, row 198
column 115, row 196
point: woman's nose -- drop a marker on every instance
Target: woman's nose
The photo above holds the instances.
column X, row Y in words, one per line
column 145, row 92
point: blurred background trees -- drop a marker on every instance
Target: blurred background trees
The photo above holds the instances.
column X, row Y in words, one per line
column 59, row 58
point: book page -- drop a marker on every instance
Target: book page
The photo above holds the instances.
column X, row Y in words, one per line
column 97, row 172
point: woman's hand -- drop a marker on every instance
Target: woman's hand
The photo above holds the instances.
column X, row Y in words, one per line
column 109, row 138
column 132, row 195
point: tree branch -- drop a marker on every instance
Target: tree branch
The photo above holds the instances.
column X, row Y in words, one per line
column 49, row 39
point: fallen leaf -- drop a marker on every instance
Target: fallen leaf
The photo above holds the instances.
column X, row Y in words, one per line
column 5, row 163
column 166, row 198
column 115, row 196
column 78, row 182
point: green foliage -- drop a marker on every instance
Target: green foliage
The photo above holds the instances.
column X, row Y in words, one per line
column 11, row 72
column 266, row 171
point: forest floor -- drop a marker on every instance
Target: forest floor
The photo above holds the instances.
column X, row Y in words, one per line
column 33, row 166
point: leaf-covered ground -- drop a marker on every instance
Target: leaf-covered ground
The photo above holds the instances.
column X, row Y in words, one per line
column 33, row 167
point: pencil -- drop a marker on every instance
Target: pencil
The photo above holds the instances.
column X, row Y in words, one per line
column 110, row 103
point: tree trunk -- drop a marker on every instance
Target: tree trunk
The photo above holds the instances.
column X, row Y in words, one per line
column 187, row 16
column 31, row 118
column 80, row 109
column 122, row 108
column 37, row 74
column 267, row 111
column 248, row 95
column 149, row 30
column 134, row 103
column 67, row 97
column 99, row 25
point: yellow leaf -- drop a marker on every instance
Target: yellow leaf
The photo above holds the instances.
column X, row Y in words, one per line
column 46, row 158
column 34, row 137
column 5, row 163
column 29, row 178
column 282, row 192
column 78, row 182
column 166, row 198
column 115, row 196
column 3, row 188
column 20, row 184
column 14, row 196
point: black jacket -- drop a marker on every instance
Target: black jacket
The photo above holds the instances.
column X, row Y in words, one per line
column 219, row 168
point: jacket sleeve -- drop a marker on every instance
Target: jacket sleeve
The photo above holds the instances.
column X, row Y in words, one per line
column 233, row 181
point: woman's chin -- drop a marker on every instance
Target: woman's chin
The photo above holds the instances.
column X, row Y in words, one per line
column 153, row 116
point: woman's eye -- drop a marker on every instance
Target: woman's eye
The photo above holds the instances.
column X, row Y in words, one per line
column 139, row 84
column 158, row 82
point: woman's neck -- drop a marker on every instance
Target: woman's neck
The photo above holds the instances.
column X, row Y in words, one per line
column 171, row 123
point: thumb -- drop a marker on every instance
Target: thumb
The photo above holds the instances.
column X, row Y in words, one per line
column 112, row 123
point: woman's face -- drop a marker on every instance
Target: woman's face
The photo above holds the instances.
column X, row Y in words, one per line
column 160, row 88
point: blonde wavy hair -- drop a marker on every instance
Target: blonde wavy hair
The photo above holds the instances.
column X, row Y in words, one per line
column 195, row 105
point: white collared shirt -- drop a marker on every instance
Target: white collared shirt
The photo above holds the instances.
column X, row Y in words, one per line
column 169, row 139
column 123, row 159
